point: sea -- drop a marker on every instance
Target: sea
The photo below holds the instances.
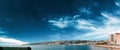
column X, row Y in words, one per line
column 67, row 47
column 70, row 47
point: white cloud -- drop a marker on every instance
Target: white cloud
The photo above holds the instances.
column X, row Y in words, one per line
column 11, row 41
column 84, row 24
column 60, row 24
column 111, row 25
column 85, row 10
column 70, row 21
column 117, row 2
column 74, row 22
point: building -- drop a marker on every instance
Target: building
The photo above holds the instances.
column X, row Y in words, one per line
column 114, row 38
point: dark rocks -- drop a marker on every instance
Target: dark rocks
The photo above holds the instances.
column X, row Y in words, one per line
column 1, row 48
column 15, row 48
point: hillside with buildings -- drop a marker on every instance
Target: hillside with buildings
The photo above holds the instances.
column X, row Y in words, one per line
column 68, row 42
column 114, row 39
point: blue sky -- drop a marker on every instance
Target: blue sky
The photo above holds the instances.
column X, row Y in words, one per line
column 28, row 21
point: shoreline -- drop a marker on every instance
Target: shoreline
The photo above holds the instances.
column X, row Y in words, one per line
column 108, row 46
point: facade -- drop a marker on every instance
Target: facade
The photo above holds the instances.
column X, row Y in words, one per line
column 114, row 38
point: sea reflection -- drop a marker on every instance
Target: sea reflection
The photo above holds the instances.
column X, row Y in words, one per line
column 114, row 49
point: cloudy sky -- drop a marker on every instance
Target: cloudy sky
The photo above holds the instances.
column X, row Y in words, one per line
column 28, row 21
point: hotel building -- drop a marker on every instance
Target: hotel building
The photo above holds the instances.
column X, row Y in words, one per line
column 114, row 38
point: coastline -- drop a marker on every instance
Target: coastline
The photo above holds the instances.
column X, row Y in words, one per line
column 108, row 46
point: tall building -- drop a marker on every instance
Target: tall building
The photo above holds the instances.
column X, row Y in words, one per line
column 114, row 38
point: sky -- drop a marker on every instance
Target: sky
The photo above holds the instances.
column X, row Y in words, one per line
column 30, row 21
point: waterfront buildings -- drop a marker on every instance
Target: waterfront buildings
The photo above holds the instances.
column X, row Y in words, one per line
column 114, row 38
column 66, row 42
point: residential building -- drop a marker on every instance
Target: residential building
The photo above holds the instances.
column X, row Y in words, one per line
column 114, row 38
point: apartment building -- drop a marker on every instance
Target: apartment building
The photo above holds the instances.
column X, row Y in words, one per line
column 114, row 38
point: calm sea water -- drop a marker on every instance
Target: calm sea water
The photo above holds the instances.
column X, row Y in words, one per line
column 65, row 47
column 70, row 47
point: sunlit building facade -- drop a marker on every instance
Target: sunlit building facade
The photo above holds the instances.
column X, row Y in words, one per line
column 114, row 38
